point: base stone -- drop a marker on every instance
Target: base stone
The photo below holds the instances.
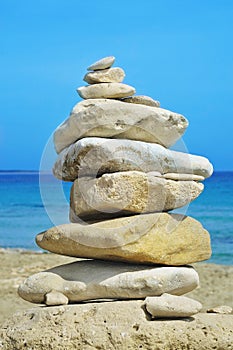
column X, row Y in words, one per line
column 110, row 326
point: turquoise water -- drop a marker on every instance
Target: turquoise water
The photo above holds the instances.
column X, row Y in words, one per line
column 23, row 213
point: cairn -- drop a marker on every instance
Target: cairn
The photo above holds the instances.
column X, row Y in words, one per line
column 114, row 147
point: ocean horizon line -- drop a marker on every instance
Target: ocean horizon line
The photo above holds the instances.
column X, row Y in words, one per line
column 29, row 171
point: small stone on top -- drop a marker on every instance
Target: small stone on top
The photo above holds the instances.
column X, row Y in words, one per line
column 104, row 63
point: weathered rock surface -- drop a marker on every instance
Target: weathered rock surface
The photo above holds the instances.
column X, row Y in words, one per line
column 91, row 279
column 142, row 100
column 116, row 119
column 129, row 192
column 93, row 156
column 106, row 90
column 111, row 75
column 168, row 305
column 183, row 177
column 111, row 326
column 222, row 309
column 160, row 238
column 103, row 63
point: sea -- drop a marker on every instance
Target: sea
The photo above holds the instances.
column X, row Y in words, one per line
column 31, row 202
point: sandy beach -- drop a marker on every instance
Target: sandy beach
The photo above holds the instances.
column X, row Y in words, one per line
column 216, row 281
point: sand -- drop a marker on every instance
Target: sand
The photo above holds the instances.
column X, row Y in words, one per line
column 215, row 289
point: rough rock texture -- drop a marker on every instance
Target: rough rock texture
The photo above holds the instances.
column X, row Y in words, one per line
column 111, row 326
column 129, row 192
column 142, row 100
column 91, row 279
column 103, row 63
column 111, row 75
column 93, row 156
column 106, row 90
column 162, row 238
column 116, row 119
column 222, row 309
column 168, row 305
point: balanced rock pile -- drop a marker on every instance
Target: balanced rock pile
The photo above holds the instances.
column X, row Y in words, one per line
column 114, row 148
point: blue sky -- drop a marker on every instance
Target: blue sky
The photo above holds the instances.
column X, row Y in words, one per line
column 179, row 52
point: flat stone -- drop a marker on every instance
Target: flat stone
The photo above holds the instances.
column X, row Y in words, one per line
column 129, row 192
column 116, row 119
column 223, row 309
column 110, row 326
column 91, row 279
column 103, row 63
column 183, row 177
column 157, row 238
column 106, row 90
column 142, row 100
column 96, row 156
column 170, row 306
column 110, row 75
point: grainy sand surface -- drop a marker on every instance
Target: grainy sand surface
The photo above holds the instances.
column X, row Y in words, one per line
column 216, row 281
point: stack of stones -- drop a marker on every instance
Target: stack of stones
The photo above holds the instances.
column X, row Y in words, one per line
column 114, row 148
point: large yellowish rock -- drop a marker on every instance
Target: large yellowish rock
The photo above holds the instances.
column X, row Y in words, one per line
column 159, row 238
column 129, row 192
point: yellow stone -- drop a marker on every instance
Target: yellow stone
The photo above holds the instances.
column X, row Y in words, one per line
column 158, row 238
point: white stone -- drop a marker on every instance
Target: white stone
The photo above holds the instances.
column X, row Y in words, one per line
column 167, row 306
column 110, row 75
column 92, row 156
column 106, row 90
column 129, row 192
column 103, row 63
column 142, row 100
column 116, row 119
column 55, row 298
column 183, row 177
column 91, row 279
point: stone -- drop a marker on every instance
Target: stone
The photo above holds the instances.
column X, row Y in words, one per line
column 172, row 306
column 91, row 280
column 183, row 177
column 55, row 298
column 106, row 90
column 116, row 119
column 157, row 238
column 103, row 63
column 92, row 156
column 155, row 173
column 110, row 326
column 128, row 192
column 110, row 75
column 142, row 100
column 223, row 309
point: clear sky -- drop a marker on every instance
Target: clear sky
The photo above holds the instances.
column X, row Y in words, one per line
column 179, row 52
